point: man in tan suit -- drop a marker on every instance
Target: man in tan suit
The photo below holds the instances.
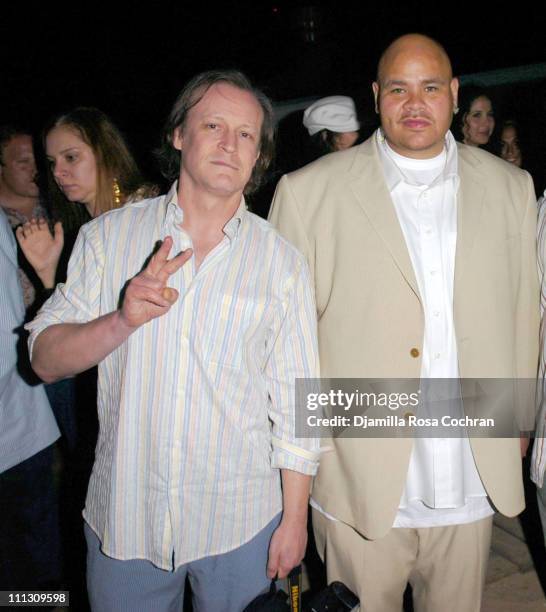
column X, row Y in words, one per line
column 422, row 252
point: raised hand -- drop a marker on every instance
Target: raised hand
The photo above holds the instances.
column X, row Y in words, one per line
column 147, row 295
column 41, row 248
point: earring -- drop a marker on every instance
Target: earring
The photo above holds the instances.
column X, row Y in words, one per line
column 116, row 193
column 455, row 109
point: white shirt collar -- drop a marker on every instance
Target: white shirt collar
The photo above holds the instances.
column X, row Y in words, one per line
column 174, row 215
column 394, row 176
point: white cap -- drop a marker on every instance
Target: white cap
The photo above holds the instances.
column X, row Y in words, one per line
column 334, row 113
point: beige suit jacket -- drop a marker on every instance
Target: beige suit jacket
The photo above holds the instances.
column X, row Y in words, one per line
column 339, row 213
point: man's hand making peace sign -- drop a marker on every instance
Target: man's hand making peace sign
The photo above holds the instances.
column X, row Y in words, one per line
column 69, row 348
column 147, row 295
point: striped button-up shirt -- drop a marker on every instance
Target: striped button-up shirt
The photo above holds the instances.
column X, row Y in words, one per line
column 196, row 408
column 538, row 461
column 27, row 424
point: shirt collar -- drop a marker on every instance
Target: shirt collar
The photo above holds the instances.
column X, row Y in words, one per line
column 16, row 218
column 174, row 214
column 231, row 228
column 393, row 174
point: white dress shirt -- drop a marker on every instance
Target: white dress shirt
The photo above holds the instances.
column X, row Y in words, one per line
column 443, row 486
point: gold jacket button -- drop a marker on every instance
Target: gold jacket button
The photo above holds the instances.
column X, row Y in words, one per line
column 414, row 352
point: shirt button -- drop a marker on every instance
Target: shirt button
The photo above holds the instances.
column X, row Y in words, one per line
column 432, row 272
column 414, row 352
column 437, row 355
column 436, row 313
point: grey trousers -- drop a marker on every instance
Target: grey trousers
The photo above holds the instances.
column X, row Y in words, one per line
column 220, row 583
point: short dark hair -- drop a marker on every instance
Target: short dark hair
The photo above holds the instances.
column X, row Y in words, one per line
column 169, row 157
column 9, row 131
column 522, row 137
column 324, row 141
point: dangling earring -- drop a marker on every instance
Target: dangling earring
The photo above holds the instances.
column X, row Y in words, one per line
column 455, row 109
column 116, row 192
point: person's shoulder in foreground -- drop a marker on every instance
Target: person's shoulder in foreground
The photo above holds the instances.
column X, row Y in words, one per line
column 27, row 424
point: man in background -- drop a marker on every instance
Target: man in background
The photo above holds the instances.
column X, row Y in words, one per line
column 19, row 194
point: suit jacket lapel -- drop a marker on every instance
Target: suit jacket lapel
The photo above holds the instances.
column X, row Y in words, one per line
column 470, row 199
column 368, row 186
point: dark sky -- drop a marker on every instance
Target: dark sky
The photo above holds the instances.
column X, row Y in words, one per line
column 131, row 59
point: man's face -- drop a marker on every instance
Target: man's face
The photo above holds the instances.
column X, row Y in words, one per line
column 415, row 96
column 18, row 167
column 511, row 151
column 345, row 140
column 220, row 141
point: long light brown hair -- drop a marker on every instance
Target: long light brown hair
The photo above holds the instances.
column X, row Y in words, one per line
column 112, row 156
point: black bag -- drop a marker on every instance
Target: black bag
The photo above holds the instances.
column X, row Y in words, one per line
column 274, row 601
column 279, row 601
column 335, row 598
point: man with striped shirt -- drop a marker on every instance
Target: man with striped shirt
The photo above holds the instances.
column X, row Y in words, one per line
column 197, row 368
column 538, row 460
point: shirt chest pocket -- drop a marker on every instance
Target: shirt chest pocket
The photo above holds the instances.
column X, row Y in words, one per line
column 231, row 334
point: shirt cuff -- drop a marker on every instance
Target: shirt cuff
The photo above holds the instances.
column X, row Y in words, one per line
column 34, row 329
column 291, row 457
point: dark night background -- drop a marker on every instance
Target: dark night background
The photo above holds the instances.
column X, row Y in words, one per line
column 130, row 59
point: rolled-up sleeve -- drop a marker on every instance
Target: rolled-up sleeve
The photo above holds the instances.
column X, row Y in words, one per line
column 78, row 299
column 294, row 355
